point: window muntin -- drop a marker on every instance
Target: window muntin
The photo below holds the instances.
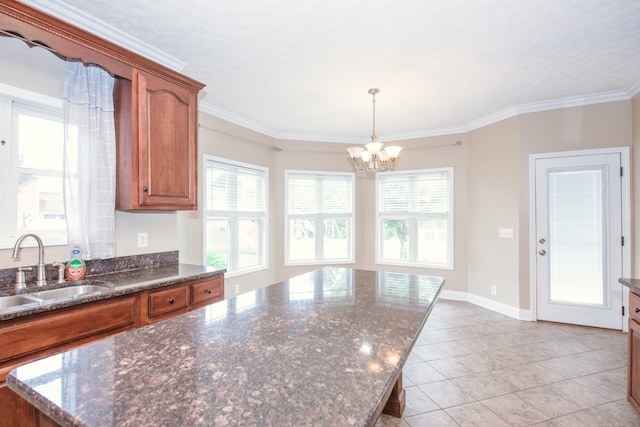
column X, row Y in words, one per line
column 235, row 220
column 415, row 218
column 319, row 219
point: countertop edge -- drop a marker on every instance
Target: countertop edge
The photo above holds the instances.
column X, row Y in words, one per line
column 121, row 288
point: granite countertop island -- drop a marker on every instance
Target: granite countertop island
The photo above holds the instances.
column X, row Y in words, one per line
column 321, row 349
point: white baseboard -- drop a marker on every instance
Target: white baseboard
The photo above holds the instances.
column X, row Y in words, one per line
column 498, row 307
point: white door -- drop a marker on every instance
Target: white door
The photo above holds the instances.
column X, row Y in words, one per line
column 578, row 243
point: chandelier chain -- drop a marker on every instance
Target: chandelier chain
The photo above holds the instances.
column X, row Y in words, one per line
column 373, row 136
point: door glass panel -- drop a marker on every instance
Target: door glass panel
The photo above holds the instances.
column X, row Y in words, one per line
column 576, row 237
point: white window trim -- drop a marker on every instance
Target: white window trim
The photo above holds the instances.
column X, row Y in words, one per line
column 450, row 223
column 351, row 237
column 265, row 243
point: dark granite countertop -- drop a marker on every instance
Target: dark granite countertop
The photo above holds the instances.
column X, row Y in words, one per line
column 320, row 349
column 632, row 284
column 121, row 283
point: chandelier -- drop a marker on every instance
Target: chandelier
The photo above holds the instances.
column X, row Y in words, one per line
column 372, row 157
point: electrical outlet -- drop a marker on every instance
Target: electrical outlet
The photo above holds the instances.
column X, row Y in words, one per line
column 237, row 289
column 493, row 290
column 142, row 240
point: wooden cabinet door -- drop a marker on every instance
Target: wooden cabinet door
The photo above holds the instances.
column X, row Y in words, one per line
column 167, row 118
column 633, row 378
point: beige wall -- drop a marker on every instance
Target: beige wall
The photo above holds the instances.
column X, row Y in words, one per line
column 493, row 204
column 160, row 228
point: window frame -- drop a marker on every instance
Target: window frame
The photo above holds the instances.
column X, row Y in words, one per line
column 320, row 218
column 413, row 218
column 14, row 99
column 233, row 248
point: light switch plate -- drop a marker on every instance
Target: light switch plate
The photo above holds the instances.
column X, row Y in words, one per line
column 505, row 233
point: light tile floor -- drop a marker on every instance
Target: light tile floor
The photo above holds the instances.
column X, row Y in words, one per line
column 475, row 367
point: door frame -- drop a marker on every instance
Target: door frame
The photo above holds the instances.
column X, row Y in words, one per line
column 624, row 153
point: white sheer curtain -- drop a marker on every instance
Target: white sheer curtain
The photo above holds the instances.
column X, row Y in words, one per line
column 89, row 160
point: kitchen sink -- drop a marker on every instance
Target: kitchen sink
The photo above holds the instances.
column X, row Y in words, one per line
column 15, row 301
column 71, row 292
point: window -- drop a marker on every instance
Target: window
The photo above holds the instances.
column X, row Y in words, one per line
column 415, row 218
column 319, row 217
column 31, row 162
column 235, row 215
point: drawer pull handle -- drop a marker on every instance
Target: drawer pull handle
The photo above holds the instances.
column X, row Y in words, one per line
column 171, row 300
column 637, row 310
column 209, row 291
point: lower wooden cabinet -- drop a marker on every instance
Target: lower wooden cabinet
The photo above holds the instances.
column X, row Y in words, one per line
column 633, row 377
column 33, row 337
column 170, row 301
column 28, row 338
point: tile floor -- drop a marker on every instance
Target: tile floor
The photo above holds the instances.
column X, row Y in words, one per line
column 474, row 367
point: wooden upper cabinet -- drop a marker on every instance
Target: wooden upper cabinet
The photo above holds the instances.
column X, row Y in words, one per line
column 156, row 111
column 156, row 126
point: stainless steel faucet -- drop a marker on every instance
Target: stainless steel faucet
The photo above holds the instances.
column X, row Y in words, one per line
column 41, row 275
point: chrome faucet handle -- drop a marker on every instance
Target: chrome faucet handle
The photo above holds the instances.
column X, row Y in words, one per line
column 61, row 267
column 21, row 283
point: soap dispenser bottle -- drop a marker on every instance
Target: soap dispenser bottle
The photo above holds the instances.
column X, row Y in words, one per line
column 76, row 268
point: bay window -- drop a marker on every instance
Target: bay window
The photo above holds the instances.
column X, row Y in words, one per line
column 319, row 216
column 415, row 218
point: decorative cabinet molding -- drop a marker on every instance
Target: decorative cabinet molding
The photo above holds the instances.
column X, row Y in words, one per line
column 156, row 111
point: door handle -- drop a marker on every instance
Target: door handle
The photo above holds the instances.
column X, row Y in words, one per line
column 542, row 252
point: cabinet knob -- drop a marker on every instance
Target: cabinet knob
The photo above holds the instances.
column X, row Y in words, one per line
column 209, row 291
column 637, row 310
column 171, row 300
column 145, row 189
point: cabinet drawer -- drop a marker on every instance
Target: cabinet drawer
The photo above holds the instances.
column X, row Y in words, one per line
column 634, row 306
column 167, row 301
column 35, row 334
column 207, row 291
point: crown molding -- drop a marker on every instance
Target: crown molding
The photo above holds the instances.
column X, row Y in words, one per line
column 634, row 89
column 100, row 28
column 220, row 113
column 534, row 107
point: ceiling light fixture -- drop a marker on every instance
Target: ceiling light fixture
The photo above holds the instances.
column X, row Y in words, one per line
column 372, row 157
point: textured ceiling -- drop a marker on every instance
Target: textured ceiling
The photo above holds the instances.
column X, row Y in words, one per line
column 301, row 69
